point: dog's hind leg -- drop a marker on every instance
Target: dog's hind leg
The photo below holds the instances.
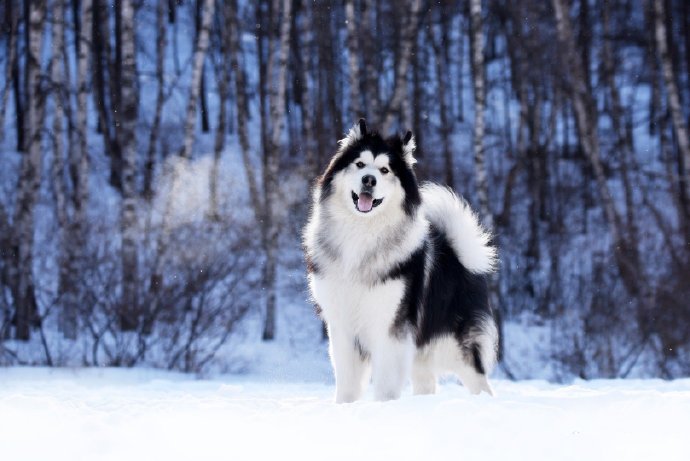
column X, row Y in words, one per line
column 351, row 365
column 471, row 369
column 423, row 375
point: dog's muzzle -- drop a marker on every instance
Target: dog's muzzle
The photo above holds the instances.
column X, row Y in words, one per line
column 365, row 201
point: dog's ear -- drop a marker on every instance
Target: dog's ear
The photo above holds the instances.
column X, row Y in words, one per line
column 362, row 126
column 357, row 132
column 409, row 146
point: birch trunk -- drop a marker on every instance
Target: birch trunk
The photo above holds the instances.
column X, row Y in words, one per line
column 672, row 93
column 353, row 60
column 58, row 95
column 222, row 79
column 115, row 64
column 129, row 309
column 30, row 175
column 231, row 35
column 100, row 37
column 625, row 252
column 76, row 232
column 19, row 103
column 308, row 99
column 477, row 51
column 404, row 56
column 278, row 61
column 371, row 68
column 160, row 97
column 200, row 49
column 81, row 160
column 623, row 133
column 11, row 56
column 441, row 75
column 203, row 104
column 66, row 305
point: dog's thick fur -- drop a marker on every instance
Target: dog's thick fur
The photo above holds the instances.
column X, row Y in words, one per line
column 398, row 273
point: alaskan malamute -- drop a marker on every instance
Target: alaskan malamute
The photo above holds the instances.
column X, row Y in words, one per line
column 398, row 273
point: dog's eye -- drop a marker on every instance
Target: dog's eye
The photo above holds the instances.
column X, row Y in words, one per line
column 360, row 164
column 384, row 170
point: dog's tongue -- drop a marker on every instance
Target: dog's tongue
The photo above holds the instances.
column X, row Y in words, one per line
column 365, row 202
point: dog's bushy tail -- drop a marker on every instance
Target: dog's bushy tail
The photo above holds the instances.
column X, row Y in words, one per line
column 454, row 217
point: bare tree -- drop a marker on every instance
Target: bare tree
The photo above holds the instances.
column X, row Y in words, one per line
column 66, row 300
column 306, row 42
column 624, row 251
column 672, row 93
column 129, row 309
column 370, row 58
column 80, row 161
column 478, row 80
column 11, row 56
column 622, row 130
column 443, row 92
column 222, row 79
column 231, row 36
column 278, row 62
column 353, row 58
column 408, row 35
column 30, row 175
column 200, row 49
column 58, row 94
column 203, row 97
column 160, row 96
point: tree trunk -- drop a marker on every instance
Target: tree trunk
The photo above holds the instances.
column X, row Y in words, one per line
column 200, row 49
column 98, row 36
column 67, row 322
column 58, row 94
column 625, row 252
column 278, row 62
column 353, row 59
column 116, row 64
column 222, row 79
column 477, row 50
column 81, row 160
column 622, row 131
column 160, row 95
column 11, row 56
column 370, row 59
column 203, row 103
column 231, row 35
column 30, row 175
column 672, row 94
column 310, row 161
column 19, row 102
column 129, row 309
column 408, row 36
column 443, row 92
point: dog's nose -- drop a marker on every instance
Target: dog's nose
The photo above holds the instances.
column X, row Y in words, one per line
column 368, row 180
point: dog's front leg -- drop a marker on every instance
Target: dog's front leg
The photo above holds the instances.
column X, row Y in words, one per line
column 352, row 370
column 391, row 361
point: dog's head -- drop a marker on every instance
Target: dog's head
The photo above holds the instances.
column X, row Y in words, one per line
column 370, row 175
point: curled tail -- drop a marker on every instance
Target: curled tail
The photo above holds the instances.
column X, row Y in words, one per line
column 471, row 242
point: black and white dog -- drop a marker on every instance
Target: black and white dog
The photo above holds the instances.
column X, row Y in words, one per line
column 398, row 273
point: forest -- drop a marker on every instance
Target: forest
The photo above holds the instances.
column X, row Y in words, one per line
column 156, row 159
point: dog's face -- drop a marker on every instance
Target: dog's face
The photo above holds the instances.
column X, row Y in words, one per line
column 370, row 176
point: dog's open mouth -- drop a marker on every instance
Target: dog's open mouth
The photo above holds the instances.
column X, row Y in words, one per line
column 365, row 202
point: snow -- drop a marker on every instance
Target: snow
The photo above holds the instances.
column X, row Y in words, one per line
column 117, row 414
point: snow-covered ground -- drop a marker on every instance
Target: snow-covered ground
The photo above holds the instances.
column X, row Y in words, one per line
column 115, row 414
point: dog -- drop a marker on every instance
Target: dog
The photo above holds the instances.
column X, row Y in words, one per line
column 398, row 272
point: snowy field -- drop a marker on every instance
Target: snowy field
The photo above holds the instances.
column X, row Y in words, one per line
column 115, row 414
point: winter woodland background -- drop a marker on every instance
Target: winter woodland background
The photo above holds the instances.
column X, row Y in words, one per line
column 156, row 159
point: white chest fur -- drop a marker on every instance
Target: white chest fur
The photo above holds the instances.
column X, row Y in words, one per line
column 366, row 312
